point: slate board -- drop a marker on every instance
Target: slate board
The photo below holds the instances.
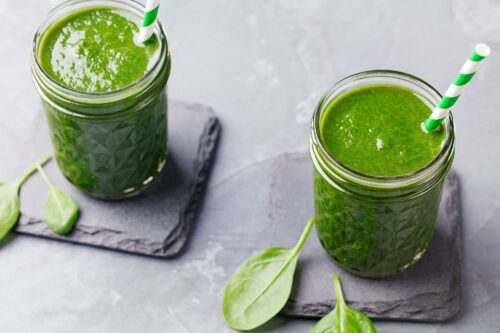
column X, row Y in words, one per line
column 155, row 223
column 428, row 291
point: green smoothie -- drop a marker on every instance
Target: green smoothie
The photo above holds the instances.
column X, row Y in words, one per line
column 94, row 50
column 374, row 130
column 104, row 96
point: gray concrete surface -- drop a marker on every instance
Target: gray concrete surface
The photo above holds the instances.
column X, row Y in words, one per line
column 262, row 65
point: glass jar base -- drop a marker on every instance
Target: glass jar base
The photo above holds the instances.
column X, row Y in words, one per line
column 129, row 192
column 369, row 275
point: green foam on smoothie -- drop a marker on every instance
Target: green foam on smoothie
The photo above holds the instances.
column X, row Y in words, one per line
column 93, row 50
column 376, row 130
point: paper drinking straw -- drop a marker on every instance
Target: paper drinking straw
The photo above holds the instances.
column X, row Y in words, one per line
column 150, row 14
column 481, row 51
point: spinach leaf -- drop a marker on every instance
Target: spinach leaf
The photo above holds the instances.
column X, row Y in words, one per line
column 9, row 207
column 343, row 319
column 60, row 210
column 261, row 286
column 9, row 199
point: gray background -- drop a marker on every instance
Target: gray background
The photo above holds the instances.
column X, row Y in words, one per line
column 262, row 65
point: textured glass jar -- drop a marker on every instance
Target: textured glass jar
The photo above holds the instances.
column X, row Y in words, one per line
column 110, row 145
column 377, row 226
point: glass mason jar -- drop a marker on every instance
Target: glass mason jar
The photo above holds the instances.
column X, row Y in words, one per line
column 377, row 226
column 110, row 145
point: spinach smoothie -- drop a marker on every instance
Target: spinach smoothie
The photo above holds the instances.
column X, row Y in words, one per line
column 376, row 130
column 94, row 50
column 104, row 96
column 377, row 175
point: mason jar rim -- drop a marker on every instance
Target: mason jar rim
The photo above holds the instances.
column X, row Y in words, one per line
column 371, row 181
column 107, row 96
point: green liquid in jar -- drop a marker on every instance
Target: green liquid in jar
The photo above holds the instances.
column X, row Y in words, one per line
column 375, row 130
column 113, row 148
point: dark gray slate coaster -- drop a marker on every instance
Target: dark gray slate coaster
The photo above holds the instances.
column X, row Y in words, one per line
column 156, row 223
column 428, row 291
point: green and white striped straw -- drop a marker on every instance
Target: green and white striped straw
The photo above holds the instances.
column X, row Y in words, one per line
column 150, row 15
column 481, row 51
